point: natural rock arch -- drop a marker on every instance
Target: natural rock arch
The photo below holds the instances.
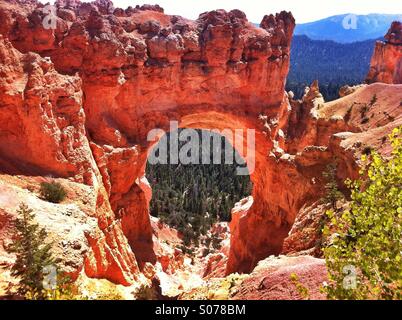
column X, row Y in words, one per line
column 234, row 128
column 114, row 76
column 234, row 75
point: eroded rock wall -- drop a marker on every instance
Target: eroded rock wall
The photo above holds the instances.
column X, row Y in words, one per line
column 386, row 63
column 43, row 134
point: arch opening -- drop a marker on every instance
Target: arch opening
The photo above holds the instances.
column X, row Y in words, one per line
column 195, row 190
column 272, row 218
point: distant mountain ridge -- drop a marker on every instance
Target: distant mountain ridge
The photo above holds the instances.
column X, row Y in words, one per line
column 342, row 29
column 326, row 51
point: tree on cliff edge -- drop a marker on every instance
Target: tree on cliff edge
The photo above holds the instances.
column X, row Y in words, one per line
column 33, row 254
column 364, row 258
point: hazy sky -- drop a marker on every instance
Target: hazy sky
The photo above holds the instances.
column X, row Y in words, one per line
column 303, row 10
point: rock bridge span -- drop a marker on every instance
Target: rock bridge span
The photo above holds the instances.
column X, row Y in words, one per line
column 87, row 93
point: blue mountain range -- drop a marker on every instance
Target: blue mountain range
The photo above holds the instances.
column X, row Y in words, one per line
column 347, row 28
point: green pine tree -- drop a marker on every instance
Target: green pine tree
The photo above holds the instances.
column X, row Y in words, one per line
column 33, row 254
column 331, row 187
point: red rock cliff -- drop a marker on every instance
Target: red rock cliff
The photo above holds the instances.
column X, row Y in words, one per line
column 386, row 63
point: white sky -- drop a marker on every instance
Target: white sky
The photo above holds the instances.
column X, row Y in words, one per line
column 303, row 10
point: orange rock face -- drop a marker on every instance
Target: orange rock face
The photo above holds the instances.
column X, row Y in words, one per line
column 386, row 63
column 78, row 101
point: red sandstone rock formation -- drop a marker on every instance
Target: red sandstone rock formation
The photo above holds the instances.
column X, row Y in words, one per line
column 386, row 63
column 341, row 131
column 139, row 69
column 77, row 102
column 271, row 279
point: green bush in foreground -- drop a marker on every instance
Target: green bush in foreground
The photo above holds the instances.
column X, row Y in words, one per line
column 52, row 192
column 364, row 259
